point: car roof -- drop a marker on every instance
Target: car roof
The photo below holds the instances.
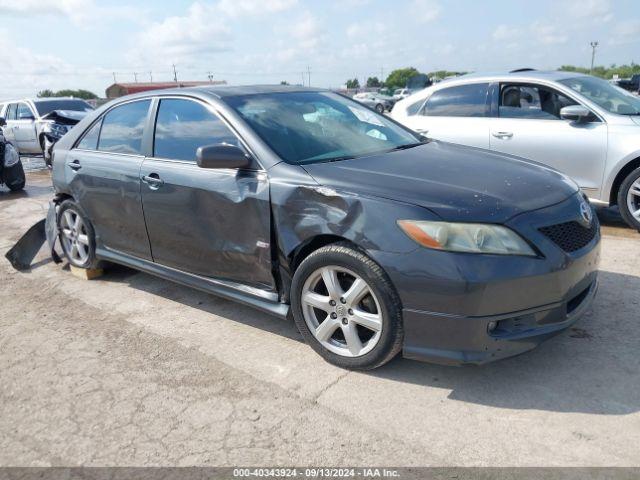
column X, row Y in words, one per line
column 40, row 99
column 49, row 99
column 518, row 75
column 222, row 91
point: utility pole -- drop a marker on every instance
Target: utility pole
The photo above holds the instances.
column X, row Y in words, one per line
column 594, row 45
column 135, row 76
column 175, row 74
column 302, row 73
column 381, row 75
column 114, row 78
column 151, row 77
column 210, row 77
column 309, row 74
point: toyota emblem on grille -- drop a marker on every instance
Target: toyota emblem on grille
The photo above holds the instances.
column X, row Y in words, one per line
column 586, row 212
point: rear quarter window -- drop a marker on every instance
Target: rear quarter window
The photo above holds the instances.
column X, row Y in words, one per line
column 459, row 101
column 90, row 139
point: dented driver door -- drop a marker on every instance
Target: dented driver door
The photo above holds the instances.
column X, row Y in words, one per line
column 213, row 223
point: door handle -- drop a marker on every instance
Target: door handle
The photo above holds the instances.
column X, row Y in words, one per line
column 153, row 180
column 502, row 134
column 75, row 165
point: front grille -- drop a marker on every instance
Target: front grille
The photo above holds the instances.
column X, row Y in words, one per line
column 571, row 236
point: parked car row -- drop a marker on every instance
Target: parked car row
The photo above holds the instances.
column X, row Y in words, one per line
column 379, row 102
column 578, row 124
column 33, row 126
column 303, row 202
column 632, row 84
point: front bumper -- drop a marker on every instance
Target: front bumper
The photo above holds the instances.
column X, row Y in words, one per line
column 458, row 340
column 449, row 299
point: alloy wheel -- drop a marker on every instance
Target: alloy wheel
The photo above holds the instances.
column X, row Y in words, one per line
column 341, row 311
column 75, row 237
column 633, row 199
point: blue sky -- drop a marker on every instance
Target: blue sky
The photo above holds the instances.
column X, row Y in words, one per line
column 80, row 43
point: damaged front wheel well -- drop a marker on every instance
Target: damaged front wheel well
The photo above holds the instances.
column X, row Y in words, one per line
column 61, row 197
column 310, row 246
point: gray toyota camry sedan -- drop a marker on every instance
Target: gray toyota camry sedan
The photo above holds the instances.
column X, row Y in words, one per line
column 302, row 202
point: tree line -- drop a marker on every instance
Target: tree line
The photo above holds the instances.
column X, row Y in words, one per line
column 398, row 78
column 83, row 94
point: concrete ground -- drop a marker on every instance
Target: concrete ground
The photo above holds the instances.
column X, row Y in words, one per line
column 132, row 370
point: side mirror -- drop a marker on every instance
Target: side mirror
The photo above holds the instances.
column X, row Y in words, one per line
column 575, row 113
column 3, row 122
column 222, row 155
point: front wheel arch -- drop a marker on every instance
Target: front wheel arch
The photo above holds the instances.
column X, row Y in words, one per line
column 620, row 176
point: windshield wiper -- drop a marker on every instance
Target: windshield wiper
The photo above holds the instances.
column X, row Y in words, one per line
column 408, row 145
column 338, row 159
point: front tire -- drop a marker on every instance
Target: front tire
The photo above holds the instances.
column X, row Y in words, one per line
column 77, row 236
column 629, row 199
column 346, row 308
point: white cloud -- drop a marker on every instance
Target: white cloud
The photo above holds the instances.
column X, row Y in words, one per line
column 307, row 31
column 203, row 29
column 176, row 38
column 365, row 30
column 547, row 34
column 625, row 32
column 540, row 32
column 596, row 10
column 76, row 10
column 26, row 72
column 236, row 8
column 505, row 32
column 425, row 11
column 80, row 12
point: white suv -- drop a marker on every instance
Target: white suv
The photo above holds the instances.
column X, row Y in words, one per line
column 578, row 124
column 34, row 125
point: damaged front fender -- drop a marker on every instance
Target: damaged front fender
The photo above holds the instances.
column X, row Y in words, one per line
column 304, row 211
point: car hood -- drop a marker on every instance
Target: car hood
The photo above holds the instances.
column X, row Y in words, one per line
column 457, row 183
column 70, row 117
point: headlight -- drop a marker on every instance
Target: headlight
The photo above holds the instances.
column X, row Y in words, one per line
column 11, row 156
column 466, row 237
column 58, row 131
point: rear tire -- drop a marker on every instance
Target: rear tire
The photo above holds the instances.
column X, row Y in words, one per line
column 380, row 108
column 17, row 184
column 77, row 236
column 629, row 199
column 357, row 322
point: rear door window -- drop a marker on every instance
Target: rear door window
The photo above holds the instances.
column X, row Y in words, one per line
column 123, row 128
column 182, row 126
column 460, row 101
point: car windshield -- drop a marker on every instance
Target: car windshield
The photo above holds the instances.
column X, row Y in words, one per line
column 309, row 127
column 611, row 98
column 47, row 106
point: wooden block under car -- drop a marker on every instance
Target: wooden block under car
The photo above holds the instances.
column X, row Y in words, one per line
column 86, row 273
